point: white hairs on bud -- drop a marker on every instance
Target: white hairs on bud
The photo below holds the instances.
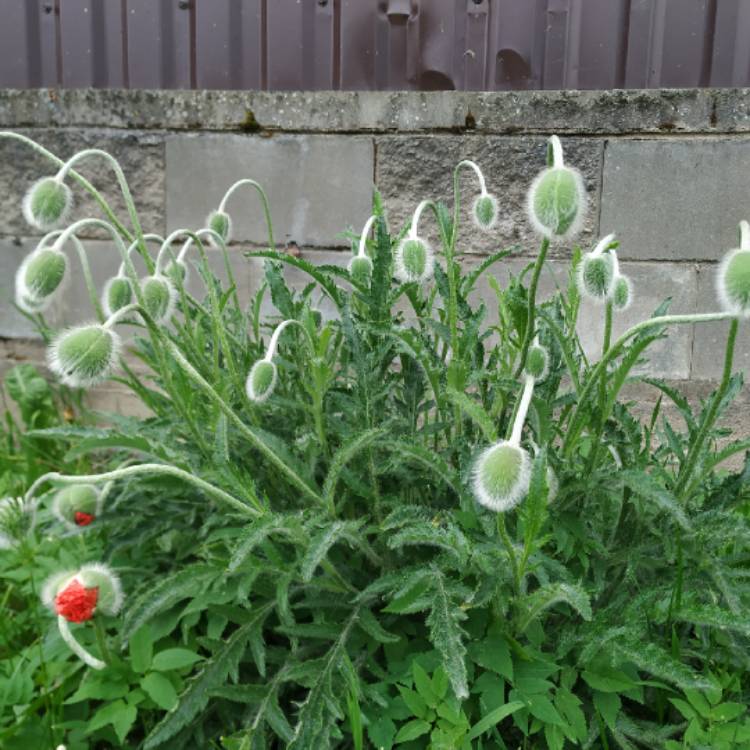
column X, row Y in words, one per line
column 495, row 212
column 402, row 273
column 518, row 492
column 172, row 292
column 576, row 225
column 29, row 216
column 73, row 379
column 727, row 303
column 100, row 569
column 25, row 298
column 259, row 398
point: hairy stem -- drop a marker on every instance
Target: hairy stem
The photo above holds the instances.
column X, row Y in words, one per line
column 531, row 306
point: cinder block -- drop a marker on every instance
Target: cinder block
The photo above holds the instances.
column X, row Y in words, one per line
column 671, row 199
column 652, row 284
column 413, row 168
column 711, row 338
column 140, row 155
column 317, row 185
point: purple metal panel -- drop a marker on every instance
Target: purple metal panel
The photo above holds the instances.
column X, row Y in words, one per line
column 159, row 48
column 300, row 44
column 91, row 43
column 28, row 44
column 375, row 44
column 228, row 44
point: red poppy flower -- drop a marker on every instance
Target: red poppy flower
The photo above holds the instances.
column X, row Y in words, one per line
column 76, row 603
column 83, row 519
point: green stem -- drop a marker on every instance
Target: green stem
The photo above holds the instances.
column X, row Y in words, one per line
column 88, row 278
column 707, row 423
column 607, row 327
column 263, row 200
column 574, row 428
column 510, row 549
column 79, row 178
column 145, row 469
column 531, row 307
column 101, row 639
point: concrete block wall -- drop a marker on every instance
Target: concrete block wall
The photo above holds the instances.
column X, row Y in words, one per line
column 668, row 171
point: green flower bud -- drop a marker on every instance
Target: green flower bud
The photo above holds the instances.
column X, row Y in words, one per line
column 96, row 575
column 177, row 272
column 221, row 223
column 596, row 276
column 41, row 273
column 78, row 504
column 485, row 211
column 261, row 381
column 557, row 203
column 360, row 267
column 622, row 293
column 117, row 294
column 47, row 203
column 159, row 297
column 84, row 356
column 733, row 282
column 414, row 260
column 537, row 362
column 501, row 476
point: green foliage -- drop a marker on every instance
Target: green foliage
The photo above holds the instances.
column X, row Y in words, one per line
column 312, row 570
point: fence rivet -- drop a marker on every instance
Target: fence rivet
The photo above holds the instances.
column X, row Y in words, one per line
column 323, row 3
column 47, row 8
column 478, row 2
column 183, row 4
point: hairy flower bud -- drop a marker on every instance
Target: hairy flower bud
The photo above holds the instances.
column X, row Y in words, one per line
column 537, row 362
column 47, row 203
column 159, row 297
column 78, row 504
column 261, row 381
column 622, row 292
column 221, row 223
column 77, row 596
column 360, row 267
column 733, row 282
column 84, row 356
column 414, row 260
column 177, row 272
column 596, row 275
column 501, row 476
column 117, row 293
column 485, row 211
column 556, row 201
column 41, row 273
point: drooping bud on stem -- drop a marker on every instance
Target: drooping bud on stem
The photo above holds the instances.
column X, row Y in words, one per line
column 261, row 380
column 484, row 209
column 47, row 203
column 220, row 222
column 360, row 266
column 597, row 270
column 85, row 355
column 78, row 505
column 733, row 277
column 77, row 597
column 40, row 275
column 556, row 201
column 414, row 260
column 502, row 472
column 159, row 296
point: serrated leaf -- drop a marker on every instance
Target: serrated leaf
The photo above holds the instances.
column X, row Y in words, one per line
column 370, row 624
column 321, row 543
column 213, row 673
column 342, row 458
column 447, row 635
column 554, row 593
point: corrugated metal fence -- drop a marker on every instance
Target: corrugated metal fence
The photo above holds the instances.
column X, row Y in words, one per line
column 374, row 44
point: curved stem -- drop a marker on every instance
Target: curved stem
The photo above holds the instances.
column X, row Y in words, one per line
column 75, row 647
column 79, row 178
column 663, row 320
column 263, row 200
column 531, row 305
column 557, row 152
column 363, row 236
column 417, row 215
column 122, row 182
column 480, row 177
column 274, row 342
column 603, row 244
column 523, row 408
column 145, row 469
column 707, row 423
column 744, row 229
column 88, row 278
